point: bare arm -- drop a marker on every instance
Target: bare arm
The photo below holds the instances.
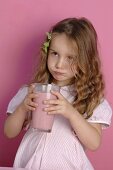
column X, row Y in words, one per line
column 14, row 122
column 88, row 133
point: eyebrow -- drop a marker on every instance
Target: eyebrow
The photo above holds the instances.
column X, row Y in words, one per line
column 52, row 49
column 73, row 55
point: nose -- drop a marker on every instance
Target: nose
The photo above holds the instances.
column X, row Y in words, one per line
column 60, row 63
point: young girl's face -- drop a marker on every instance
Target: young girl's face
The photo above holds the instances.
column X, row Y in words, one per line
column 62, row 55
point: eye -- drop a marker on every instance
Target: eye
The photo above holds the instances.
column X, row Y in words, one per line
column 70, row 58
column 54, row 53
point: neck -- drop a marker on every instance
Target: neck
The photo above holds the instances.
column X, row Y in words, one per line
column 63, row 83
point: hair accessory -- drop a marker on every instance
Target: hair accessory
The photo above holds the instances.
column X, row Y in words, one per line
column 46, row 44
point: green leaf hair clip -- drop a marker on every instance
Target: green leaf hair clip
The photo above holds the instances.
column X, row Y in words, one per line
column 47, row 43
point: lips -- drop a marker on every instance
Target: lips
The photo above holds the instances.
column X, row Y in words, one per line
column 58, row 73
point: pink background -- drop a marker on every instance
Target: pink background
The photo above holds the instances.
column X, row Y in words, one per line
column 23, row 24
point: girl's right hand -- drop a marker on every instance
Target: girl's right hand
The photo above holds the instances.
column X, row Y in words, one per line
column 28, row 103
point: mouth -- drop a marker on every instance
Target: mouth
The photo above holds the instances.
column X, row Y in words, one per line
column 58, row 73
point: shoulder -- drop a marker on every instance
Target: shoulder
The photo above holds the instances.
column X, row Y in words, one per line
column 102, row 114
column 23, row 89
column 17, row 99
column 103, row 106
column 22, row 92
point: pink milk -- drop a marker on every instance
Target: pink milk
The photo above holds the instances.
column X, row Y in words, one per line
column 40, row 119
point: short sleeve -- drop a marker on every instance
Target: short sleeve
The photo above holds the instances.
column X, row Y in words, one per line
column 102, row 114
column 17, row 99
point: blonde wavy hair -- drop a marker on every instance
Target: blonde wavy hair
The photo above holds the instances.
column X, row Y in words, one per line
column 89, row 83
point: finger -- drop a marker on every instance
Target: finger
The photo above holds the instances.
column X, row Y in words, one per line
column 30, row 102
column 57, row 94
column 55, row 102
column 33, row 104
column 52, row 108
column 30, row 108
column 33, row 95
column 31, row 88
column 54, row 112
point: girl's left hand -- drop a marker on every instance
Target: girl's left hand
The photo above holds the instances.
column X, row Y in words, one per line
column 59, row 106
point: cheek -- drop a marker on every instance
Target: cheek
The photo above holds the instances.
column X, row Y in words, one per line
column 73, row 70
column 71, row 73
column 50, row 62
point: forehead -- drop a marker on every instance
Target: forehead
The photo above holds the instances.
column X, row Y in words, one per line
column 62, row 43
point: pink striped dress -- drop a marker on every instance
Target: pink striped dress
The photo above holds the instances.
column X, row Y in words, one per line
column 60, row 149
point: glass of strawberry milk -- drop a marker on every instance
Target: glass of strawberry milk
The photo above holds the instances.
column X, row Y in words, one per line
column 41, row 120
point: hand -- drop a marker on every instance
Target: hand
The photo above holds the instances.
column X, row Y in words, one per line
column 59, row 106
column 28, row 103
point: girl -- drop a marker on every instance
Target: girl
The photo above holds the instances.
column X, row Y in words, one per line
column 70, row 59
